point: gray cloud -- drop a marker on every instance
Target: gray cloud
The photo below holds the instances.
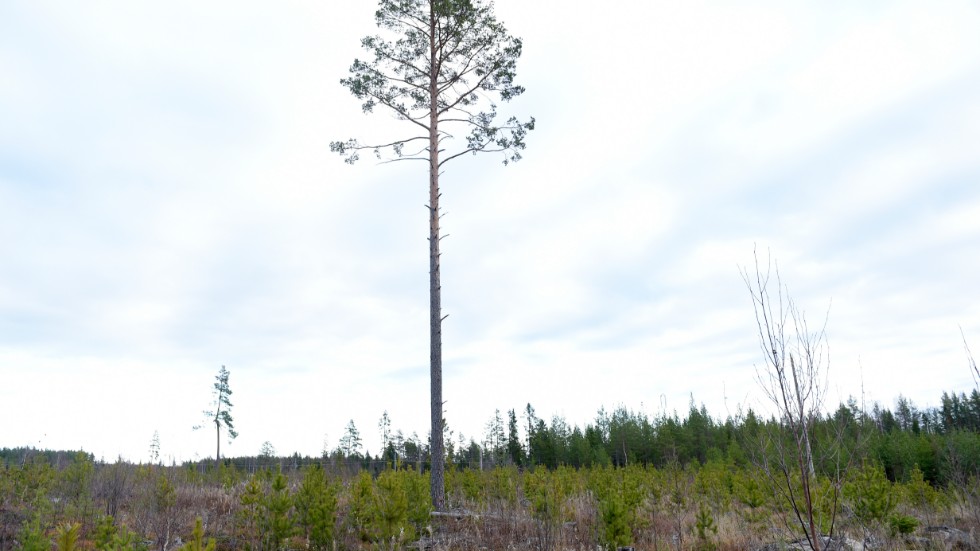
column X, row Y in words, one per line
column 169, row 204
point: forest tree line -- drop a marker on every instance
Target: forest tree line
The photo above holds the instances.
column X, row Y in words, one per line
column 898, row 439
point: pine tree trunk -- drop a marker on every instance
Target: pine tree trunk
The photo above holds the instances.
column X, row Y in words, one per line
column 435, row 299
column 217, row 454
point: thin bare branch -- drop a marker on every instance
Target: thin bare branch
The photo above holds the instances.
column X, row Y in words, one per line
column 399, row 159
column 970, row 361
column 462, row 97
column 383, row 146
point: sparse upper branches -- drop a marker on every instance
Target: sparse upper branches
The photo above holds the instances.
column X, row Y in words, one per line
column 796, row 357
column 474, row 60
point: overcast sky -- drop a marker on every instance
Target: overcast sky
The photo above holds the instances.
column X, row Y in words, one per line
column 169, row 204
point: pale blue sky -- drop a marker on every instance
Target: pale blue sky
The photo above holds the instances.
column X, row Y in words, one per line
column 169, row 204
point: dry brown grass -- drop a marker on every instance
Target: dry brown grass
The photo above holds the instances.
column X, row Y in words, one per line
column 498, row 520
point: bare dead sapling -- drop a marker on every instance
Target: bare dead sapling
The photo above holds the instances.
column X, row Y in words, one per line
column 794, row 380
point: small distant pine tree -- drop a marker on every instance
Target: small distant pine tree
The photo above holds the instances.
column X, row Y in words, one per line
column 125, row 540
column 749, row 490
column 75, row 485
column 155, row 448
column 870, row 495
column 384, row 426
column 267, row 450
column 361, row 500
column 920, row 494
column 514, row 449
column 419, row 499
column 164, row 494
column 275, row 522
column 105, row 533
column 221, row 414
column 316, row 508
column 615, row 522
column 197, row 542
column 706, row 528
column 902, row 524
column 391, row 512
column 350, row 443
column 109, row 537
column 31, row 537
column 66, row 537
column 250, row 512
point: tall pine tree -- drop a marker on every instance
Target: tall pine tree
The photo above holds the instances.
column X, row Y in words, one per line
column 438, row 65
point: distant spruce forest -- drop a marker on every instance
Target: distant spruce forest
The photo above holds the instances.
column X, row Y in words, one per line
column 897, row 439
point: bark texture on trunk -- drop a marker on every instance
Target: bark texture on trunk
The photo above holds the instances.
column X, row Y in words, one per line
column 435, row 298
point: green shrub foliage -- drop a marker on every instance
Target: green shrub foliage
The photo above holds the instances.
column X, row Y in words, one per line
column 275, row 521
column 66, row 536
column 902, row 524
column 870, row 495
column 31, row 538
column 615, row 522
column 705, row 529
column 316, row 508
column 197, row 542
